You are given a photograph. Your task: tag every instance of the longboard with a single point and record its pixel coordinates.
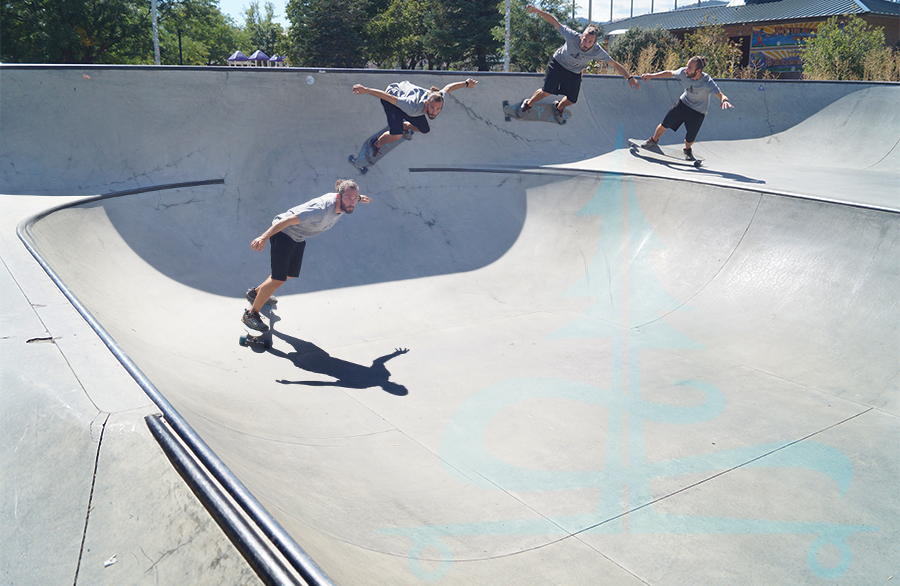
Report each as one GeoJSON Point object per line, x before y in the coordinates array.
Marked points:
{"type": "Point", "coordinates": [541, 112]}
{"type": "Point", "coordinates": [667, 152]}
{"type": "Point", "coordinates": [366, 159]}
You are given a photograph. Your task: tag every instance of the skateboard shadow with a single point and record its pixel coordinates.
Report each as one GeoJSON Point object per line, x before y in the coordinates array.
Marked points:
{"type": "Point", "coordinates": [311, 358]}
{"type": "Point", "coordinates": [702, 170]}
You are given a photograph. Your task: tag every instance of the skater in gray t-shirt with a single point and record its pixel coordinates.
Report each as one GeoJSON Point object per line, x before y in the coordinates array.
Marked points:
{"type": "Point", "coordinates": [564, 70]}
{"type": "Point", "coordinates": [690, 109]}
{"type": "Point", "coordinates": [408, 107]}
{"type": "Point", "coordinates": [288, 234]}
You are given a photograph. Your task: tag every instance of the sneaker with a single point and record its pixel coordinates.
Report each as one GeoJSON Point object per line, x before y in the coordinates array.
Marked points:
{"type": "Point", "coordinates": [375, 148]}
{"type": "Point", "coordinates": [650, 144]}
{"type": "Point", "coordinates": [558, 114]}
{"type": "Point", "coordinates": [252, 320]}
{"type": "Point", "coordinates": [689, 155]}
{"type": "Point", "coordinates": [251, 297]}
{"type": "Point", "coordinates": [524, 107]}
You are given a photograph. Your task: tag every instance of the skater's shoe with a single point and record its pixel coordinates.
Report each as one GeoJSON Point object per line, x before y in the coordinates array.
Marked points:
{"type": "Point", "coordinates": [252, 320]}
{"type": "Point", "coordinates": [650, 144]}
{"type": "Point", "coordinates": [251, 297]}
{"type": "Point", "coordinates": [524, 107]}
{"type": "Point", "coordinates": [558, 114]}
{"type": "Point", "coordinates": [375, 148]}
{"type": "Point", "coordinates": [689, 155]}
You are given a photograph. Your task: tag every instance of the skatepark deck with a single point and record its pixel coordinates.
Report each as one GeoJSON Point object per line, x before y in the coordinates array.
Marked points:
{"type": "Point", "coordinates": [617, 371]}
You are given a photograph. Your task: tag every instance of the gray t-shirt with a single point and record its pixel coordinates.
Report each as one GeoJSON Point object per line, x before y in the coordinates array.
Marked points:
{"type": "Point", "coordinates": [410, 98]}
{"type": "Point", "coordinates": [570, 54]}
{"type": "Point", "coordinates": [696, 92]}
{"type": "Point", "coordinates": [316, 216]}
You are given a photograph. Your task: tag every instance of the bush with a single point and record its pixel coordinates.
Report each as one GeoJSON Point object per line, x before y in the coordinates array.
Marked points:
{"type": "Point", "coordinates": [643, 50]}
{"type": "Point", "coordinates": [722, 56]}
{"type": "Point", "coordinates": [840, 48]}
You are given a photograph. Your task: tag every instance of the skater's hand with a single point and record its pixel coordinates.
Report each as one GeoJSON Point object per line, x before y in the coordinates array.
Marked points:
{"type": "Point", "coordinates": [258, 244]}
{"type": "Point", "coordinates": [470, 83]}
{"type": "Point", "coordinates": [726, 103]}
{"type": "Point", "coordinates": [530, 9]}
{"type": "Point", "coordinates": [359, 89]}
{"type": "Point", "coordinates": [364, 199]}
{"type": "Point", "coordinates": [633, 82]}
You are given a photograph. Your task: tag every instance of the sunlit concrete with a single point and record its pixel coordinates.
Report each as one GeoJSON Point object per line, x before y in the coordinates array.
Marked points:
{"type": "Point", "coordinates": [534, 358]}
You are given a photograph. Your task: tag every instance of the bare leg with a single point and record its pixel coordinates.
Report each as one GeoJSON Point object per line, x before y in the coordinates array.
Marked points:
{"type": "Point", "coordinates": [537, 97]}
{"type": "Point", "coordinates": [660, 130]}
{"type": "Point", "coordinates": [563, 104]}
{"type": "Point", "coordinates": [264, 291]}
{"type": "Point", "coordinates": [387, 138]}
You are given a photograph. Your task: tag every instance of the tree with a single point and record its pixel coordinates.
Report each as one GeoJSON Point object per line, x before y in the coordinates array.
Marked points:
{"type": "Point", "coordinates": [644, 49]}
{"type": "Point", "coordinates": [459, 32]}
{"type": "Point", "coordinates": [710, 41]}
{"type": "Point", "coordinates": [208, 37]}
{"type": "Point", "coordinates": [74, 31]}
{"type": "Point", "coordinates": [397, 35]}
{"type": "Point", "coordinates": [839, 49]}
{"type": "Point", "coordinates": [327, 33]}
{"type": "Point", "coordinates": [262, 31]}
{"type": "Point", "coordinates": [532, 41]}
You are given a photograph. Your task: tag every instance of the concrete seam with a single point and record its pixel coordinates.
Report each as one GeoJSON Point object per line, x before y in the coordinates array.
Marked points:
{"type": "Point", "coordinates": [90, 503]}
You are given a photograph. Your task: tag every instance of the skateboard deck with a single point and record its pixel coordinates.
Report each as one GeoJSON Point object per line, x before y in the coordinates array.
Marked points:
{"type": "Point", "coordinates": [366, 159]}
{"type": "Point", "coordinates": [667, 152]}
{"type": "Point", "coordinates": [542, 112]}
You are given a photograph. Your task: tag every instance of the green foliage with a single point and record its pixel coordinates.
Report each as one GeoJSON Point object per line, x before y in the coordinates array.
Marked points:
{"type": "Point", "coordinates": [115, 31]}
{"type": "Point", "coordinates": [644, 49]}
{"type": "Point", "coordinates": [722, 56]}
{"type": "Point", "coordinates": [263, 32]}
{"type": "Point", "coordinates": [327, 33]}
{"type": "Point", "coordinates": [73, 31]}
{"type": "Point", "coordinates": [838, 51]}
{"type": "Point", "coordinates": [397, 35]}
{"type": "Point", "coordinates": [532, 40]}
{"type": "Point", "coordinates": [459, 33]}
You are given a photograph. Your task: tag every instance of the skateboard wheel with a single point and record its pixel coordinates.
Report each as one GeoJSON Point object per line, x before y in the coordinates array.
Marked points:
{"type": "Point", "coordinates": [365, 170]}
{"type": "Point", "coordinates": [634, 150]}
{"type": "Point", "coordinates": [350, 158]}
{"type": "Point", "coordinates": [697, 164]}
{"type": "Point", "coordinates": [243, 340]}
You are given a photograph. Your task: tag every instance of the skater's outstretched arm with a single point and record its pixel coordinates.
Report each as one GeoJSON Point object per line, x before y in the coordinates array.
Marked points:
{"type": "Point", "coordinates": [383, 95]}
{"type": "Point", "coordinates": [531, 9]}
{"type": "Point", "coordinates": [470, 83]}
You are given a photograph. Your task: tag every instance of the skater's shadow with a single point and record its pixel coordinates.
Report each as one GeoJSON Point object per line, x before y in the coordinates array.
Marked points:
{"type": "Point", "coordinates": [311, 358]}
{"type": "Point", "coordinates": [681, 168]}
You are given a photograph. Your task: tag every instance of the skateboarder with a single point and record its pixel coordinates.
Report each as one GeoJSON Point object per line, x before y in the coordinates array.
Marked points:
{"type": "Point", "coordinates": [564, 70]}
{"type": "Point", "coordinates": [409, 106]}
{"type": "Point", "coordinates": [690, 109]}
{"type": "Point", "coordinates": [289, 232]}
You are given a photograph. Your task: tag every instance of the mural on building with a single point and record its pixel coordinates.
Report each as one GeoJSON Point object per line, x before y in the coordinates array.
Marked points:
{"type": "Point", "coordinates": [777, 48]}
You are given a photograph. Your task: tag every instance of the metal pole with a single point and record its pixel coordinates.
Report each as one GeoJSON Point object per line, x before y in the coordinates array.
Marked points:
{"type": "Point", "coordinates": [181, 58]}
{"type": "Point", "coordinates": [155, 33]}
{"type": "Point", "coordinates": [590, 6]}
{"type": "Point", "coordinates": [506, 46]}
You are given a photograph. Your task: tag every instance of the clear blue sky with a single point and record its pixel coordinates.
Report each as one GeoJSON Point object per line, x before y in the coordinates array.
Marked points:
{"type": "Point", "coordinates": [599, 8]}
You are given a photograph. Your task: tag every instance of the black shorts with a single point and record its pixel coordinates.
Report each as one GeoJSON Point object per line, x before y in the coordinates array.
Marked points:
{"type": "Point", "coordinates": [684, 114]}
{"type": "Point", "coordinates": [287, 256]}
{"type": "Point", "coordinates": [561, 81]}
{"type": "Point", "coordinates": [396, 116]}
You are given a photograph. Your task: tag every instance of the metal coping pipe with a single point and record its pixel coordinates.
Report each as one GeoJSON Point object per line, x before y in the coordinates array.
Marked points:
{"type": "Point", "coordinates": [268, 566]}
{"type": "Point", "coordinates": [296, 556]}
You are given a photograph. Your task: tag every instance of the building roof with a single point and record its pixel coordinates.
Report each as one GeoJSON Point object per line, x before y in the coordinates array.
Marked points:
{"type": "Point", "coordinates": [739, 13]}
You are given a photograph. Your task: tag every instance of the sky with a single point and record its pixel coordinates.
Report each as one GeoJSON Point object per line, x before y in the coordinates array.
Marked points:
{"type": "Point", "coordinates": [599, 8]}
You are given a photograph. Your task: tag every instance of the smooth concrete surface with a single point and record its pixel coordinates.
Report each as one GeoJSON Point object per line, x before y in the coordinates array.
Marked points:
{"type": "Point", "coordinates": [534, 358]}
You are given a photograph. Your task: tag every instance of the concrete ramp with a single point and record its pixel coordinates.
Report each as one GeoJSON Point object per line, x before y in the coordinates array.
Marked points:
{"type": "Point", "coordinates": [534, 358]}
